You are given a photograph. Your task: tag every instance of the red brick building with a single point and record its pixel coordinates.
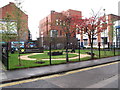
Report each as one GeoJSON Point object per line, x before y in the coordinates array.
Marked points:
{"type": "Point", "coordinates": [111, 19]}
{"type": "Point", "coordinates": [50, 25]}
{"type": "Point", "coordinates": [106, 37]}
{"type": "Point", "coordinates": [9, 9]}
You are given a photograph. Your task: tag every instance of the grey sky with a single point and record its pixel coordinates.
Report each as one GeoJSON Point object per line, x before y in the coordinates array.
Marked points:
{"type": "Point", "coordinates": [38, 9]}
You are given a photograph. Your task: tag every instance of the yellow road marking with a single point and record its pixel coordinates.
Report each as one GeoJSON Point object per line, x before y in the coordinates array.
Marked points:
{"type": "Point", "coordinates": [55, 75]}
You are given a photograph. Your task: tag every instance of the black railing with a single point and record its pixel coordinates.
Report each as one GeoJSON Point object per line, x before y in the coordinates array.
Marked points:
{"type": "Point", "coordinates": [5, 55]}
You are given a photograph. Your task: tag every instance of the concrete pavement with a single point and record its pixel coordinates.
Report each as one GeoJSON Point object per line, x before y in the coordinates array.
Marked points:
{"type": "Point", "coordinates": [102, 76]}
{"type": "Point", "coordinates": [21, 74]}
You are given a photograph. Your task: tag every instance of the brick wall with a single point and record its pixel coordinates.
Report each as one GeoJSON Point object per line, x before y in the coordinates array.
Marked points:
{"type": "Point", "coordinates": [11, 9]}
{"type": "Point", "coordinates": [52, 19]}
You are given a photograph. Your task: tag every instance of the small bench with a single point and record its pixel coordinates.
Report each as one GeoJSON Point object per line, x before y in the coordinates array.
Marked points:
{"type": "Point", "coordinates": [106, 49]}
{"type": "Point", "coordinates": [72, 51]}
{"type": "Point", "coordinates": [89, 53]}
{"type": "Point", "coordinates": [55, 53]}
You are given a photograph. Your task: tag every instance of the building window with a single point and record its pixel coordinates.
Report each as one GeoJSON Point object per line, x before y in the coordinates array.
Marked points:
{"type": "Point", "coordinates": [57, 22]}
{"type": "Point", "coordinates": [85, 42]}
{"type": "Point", "coordinates": [94, 41]}
{"type": "Point", "coordinates": [60, 32]}
{"type": "Point", "coordinates": [104, 40]}
{"type": "Point", "coordinates": [118, 33]}
{"type": "Point", "coordinates": [53, 33]}
{"type": "Point", "coordinates": [60, 22]}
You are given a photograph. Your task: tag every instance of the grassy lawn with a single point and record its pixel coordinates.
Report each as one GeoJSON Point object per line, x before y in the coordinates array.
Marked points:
{"type": "Point", "coordinates": [102, 53]}
{"type": "Point", "coordinates": [46, 56]}
{"type": "Point", "coordinates": [14, 64]}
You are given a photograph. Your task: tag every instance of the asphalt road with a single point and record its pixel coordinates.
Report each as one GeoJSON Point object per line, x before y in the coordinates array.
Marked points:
{"type": "Point", "coordinates": [103, 76]}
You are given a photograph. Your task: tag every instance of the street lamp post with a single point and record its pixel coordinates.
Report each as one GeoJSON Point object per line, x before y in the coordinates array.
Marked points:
{"type": "Point", "coordinates": [67, 37]}
{"type": "Point", "coordinates": [42, 39]}
{"type": "Point", "coordinates": [50, 48]}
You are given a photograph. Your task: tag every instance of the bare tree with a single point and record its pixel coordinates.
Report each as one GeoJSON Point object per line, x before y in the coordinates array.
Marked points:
{"type": "Point", "coordinates": [8, 27]}
{"type": "Point", "coordinates": [20, 21]}
{"type": "Point", "coordinates": [92, 27]}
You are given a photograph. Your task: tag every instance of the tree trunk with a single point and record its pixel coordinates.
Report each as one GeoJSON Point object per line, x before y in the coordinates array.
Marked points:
{"type": "Point", "coordinates": [92, 56]}
{"type": "Point", "coordinates": [19, 61]}
{"type": "Point", "coordinates": [91, 44]}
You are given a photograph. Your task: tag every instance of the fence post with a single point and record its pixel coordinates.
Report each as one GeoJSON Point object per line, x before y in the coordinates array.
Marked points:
{"type": "Point", "coordinates": [7, 56]}
{"type": "Point", "coordinates": [108, 45]}
{"type": "Point", "coordinates": [67, 59]}
{"type": "Point", "coordinates": [114, 48]}
{"type": "Point", "coordinates": [50, 53]}
{"type": "Point", "coordinates": [99, 48]}
{"type": "Point", "coordinates": [79, 50]}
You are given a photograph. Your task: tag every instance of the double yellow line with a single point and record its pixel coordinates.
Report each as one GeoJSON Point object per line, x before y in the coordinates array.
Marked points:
{"type": "Point", "coordinates": [55, 75]}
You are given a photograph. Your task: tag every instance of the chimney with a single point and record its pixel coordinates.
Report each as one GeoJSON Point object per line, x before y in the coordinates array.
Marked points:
{"type": "Point", "coordinates": [52, 11]}
{"type": "Point", "coordinates": [11, 3]}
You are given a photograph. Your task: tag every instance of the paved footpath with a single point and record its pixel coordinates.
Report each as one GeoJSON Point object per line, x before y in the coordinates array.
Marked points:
{"type": "Point", "coordinates": [25, 57]}
{"type": "Point", "coordinates": [21, 74]}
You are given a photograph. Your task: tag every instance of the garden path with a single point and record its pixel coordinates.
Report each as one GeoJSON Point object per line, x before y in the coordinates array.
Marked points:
{"type": "Point", "coordinates": [81, 56]}
{"type": "Point", "coordinates": [25, 57]}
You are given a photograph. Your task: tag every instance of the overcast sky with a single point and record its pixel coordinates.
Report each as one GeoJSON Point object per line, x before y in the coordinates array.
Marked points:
{"type": "Point", "coordinates": [38, 9]}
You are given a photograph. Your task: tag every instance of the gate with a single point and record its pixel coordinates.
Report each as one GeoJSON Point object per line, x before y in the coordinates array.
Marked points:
{"type": "Point", "coordinates": [5, 54]}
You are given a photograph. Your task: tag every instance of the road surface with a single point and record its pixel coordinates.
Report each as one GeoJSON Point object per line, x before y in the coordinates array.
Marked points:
{"type": "Point", "coordinates": [102, 76]}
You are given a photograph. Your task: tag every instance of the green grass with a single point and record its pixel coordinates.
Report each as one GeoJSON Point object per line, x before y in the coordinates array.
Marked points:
{"type": "Point", "coordinates": [102, 53]}
{"type": "Point", "coordinates": [46, 56]}
{"type": "Point", "coordinates": [14, 62]}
